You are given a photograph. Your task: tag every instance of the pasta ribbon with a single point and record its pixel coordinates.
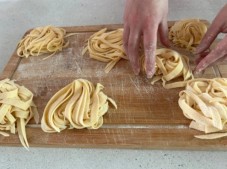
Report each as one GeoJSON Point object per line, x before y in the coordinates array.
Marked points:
{"type": "Point", "coordinates": [41, 40]}
{"type": "Point", "coordinates": [204, 101]}
{"type": "Point", "coordinates": [78, 105]}
{"type": "Point", "coordinates": [106, 47]}
{"type": "Point", "coordinates": [170, 65]}
{"type": "Point", "coordinates": [187, 33]}
{"type": "Point", "coordinates": [16, 110]}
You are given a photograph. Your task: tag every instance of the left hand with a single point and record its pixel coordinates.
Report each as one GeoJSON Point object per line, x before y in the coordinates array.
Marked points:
{"type": "Point", "coordinates": [219, 25]}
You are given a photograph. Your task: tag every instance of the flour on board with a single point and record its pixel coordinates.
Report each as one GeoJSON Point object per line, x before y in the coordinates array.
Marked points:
{"type": "Point", "coordinates": [46, 68]}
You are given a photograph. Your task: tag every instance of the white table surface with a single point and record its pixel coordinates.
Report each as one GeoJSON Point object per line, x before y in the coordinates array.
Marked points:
{"type": "Point", "coordinates": [17, 16]}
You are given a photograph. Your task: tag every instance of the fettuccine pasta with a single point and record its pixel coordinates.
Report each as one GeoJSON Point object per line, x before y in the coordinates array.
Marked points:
{"type": "Point", "coordinates": [187, 33]}
{"type": "Point", "coordinates": [16, 109]}
{"type": "Point", "coordinates": [48, 39]}
{"type": "Point", "coordinates": [169, 66]}
{"type": "Point", "coordinates": [204, 101]}
{"type": "Point", "coordinates": [78, 105]}
{"type": "Point", "coordinates": [106, 47]}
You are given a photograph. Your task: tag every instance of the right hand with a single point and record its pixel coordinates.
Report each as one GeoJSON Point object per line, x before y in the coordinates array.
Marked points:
{"type": "Point", "coordinates": [219, 25]}
{"type": "Point", "coordinates": [147, 18]}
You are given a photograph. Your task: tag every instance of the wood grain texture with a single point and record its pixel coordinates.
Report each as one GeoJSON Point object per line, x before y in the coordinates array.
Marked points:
{"type": "Point", "coordinates": [147, 116]}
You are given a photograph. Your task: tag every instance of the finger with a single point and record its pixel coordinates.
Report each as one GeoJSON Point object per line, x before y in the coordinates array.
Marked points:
{"type": "Point", "coordinates": [209, 37]}
{"type": "Point", "coordinates": [219, 52]}
{"type": "Point", "coordinates": [133, 50]}
{"type": "Point", "coordinates": [199, 57]}
{"type": "Point", "coordinates": [126, 33]}
{"type": "Point", "coordinates": [150, 42]}
{"type": "Point", "coordinates": [163, 33]}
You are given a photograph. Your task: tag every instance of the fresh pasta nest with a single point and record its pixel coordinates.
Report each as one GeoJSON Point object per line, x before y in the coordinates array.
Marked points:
{"type": "Point", "coordinates": [169, 66]}
{"type": "Point", "coordinates": [41, 40]}
{"type": "Point", "coordinates": [16, 109]}
{"type": "Point", "coordinates": [78, 105]}
{"type": "Point", "coordinates": [106, 47]}
{"type": "Point", "coordinates": [204, 101]}
{"type": "Point", "coordinates": [187, 33]}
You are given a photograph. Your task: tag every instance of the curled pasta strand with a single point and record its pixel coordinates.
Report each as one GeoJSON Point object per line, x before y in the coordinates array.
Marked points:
{"type": "Point", "coordinates": [169, 66]}
{"type": "Point", "coordinates": [106, 47]}
{"type": "Point", "coordinates": [187, 33]}
{"type": "Point", "coordinates": [41, 40]}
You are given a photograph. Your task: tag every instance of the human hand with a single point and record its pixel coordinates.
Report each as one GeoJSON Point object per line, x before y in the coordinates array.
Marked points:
{"type": "Point", "coordinates": [147, 18]}
{"type": "Point", "coordinates": [219, 25]}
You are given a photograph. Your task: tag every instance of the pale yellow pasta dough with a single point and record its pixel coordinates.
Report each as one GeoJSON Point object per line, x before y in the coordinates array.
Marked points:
{"type": "Point", "coordinates": [187, 33]}
{"type": "Point", "coordinates": [204, 101]}
{"type": "Point", "coordinates": [16, 109]}
{"type": "Point", "coordinates": [48, 39]}
{"type": "Point", "coordinates": [171, 65]}
{"type": "Point", "coordinates": [106, 47]}
{"type": "Point", "coordinates": [78, 105]}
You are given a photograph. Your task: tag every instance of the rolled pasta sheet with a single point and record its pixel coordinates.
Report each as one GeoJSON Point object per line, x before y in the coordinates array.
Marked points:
{"type": "Point", "coordinates": [16, 110]}
{"type": "Point", "coordinates": [106, 47]}
{"type": "Point", "coordinates": [187, 33]}
{"type": "Point", "coordinates": [41, 40]}
{"type": "Point", "coordinates": [169, 66]}
{"type": "Point", "coordinates": [204, 101]}
{"type": "Point", "coordinates": [77, 105]}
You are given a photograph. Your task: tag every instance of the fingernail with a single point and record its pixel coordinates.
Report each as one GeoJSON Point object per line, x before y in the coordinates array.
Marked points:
{"type": "Point", "coordinates": [150, 74]}
{"type": "Point", "coordinates": [196, 72]}
{"type": "Point", "coordinates": [199, 72]}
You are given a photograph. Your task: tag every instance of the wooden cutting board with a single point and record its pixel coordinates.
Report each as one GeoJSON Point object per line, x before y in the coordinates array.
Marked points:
{"type": "Point", "coordinates": [147, 116]}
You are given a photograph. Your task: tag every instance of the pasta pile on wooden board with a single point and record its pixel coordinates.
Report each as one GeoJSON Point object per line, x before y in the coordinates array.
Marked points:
{"type": "Point", "coordinates": [78, 105]}
{"type": "Point", "coordinates": [16, 109]}
{"type": "Point", "coordinates": [169, 66]}
{"type": "Point", "coordinates": [48, 39]}
{"type": "Point", "coordinates": [204, 101]}
{"type": "Point", "coordinates": [106, 47]}
{"type": "Point", "coordinates": [187, 33]}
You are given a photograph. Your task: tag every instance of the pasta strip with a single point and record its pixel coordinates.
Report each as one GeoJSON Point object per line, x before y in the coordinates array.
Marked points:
{"type": "Point", "coordinates": [16, 109]}
{"type": "Point", "coordinates": [204, 102]}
